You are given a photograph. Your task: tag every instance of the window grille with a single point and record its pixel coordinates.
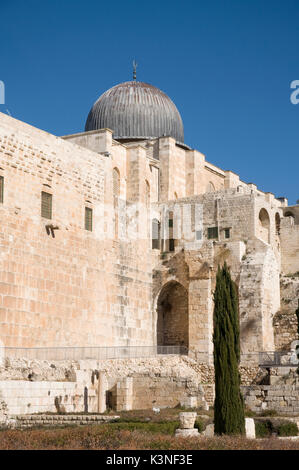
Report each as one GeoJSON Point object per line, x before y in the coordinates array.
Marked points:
{"type": "Point", "coordinates": [1, 188]}
{"type": "Point", "coordinates": [46, 205]}
{"type": "Point", "coordinates": [212, 232]}
{"type": "Point", "coordinates": [88, 219]}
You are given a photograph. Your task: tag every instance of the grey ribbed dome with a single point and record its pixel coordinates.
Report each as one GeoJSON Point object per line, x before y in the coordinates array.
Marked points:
{"type": "Point", "coordinates": [136, 110]}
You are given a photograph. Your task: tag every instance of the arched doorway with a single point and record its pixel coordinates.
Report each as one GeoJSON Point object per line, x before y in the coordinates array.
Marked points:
{"type": "Point", "coordinates": [173, 319]}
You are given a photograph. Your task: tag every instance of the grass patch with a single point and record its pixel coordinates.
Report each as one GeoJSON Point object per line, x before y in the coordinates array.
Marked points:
{"type": "Point", "coordinates": [162, 427]}
{"type": "Point", "coordinates": [287, 428]}
{"type": "Point", "coordinates": [263, 428]}
{"type": "Point", "coordinates": [112, 437]}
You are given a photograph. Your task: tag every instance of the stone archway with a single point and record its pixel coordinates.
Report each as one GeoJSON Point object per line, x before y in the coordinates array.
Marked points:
{"type": "Point", "coordinates": [173, 318]}
{"type": "Point", "coordinates": [264, 226]}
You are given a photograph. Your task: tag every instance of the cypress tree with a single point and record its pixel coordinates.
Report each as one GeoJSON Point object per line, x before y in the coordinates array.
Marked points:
{"type": "Point", "coordinates": [229, 406]}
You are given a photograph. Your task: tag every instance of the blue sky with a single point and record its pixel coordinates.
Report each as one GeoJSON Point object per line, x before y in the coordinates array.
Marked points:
{"type": "Point", "coordinates": [227, 65]}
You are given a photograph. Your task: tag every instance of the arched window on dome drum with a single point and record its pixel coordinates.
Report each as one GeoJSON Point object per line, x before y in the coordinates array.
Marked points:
{"type": "Point", "coordinates": [116, 192]}
{"type": "Point", "coordinates": [155, 234]}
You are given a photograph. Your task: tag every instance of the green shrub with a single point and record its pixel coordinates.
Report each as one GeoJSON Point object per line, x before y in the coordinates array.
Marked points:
{"type": "Point", "coordinates": [263, 428]}
{"type": "Point", "coordinates": [199, 424]}
{"type": "Point", "coordinates": [287, 428]}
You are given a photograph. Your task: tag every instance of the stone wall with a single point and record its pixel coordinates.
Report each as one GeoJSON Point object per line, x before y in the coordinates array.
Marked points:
{"type": "Point", "coordinates": [149, 392]}
{"type": "Point", "coordinates": [122, 384]}
{"type": "Point", "coordinates": [67, 286]}
{"type": "Point", "coordinates": [285, 320]}
{"type": "Point", "coordinates": [289, 236]}
{"type": "Point", "coordinates": [29, 421]}
{"type": "Point", "coordinates": [282, 398]}
{"type": "Point", "coordinates": [75, 386]}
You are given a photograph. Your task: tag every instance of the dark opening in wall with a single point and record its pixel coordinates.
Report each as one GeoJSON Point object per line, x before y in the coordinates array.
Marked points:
{"type": "Point", "coordinates": [88, 219]}
{"type": "Point", "coordinates": [1, 189]}
{"type": "Point", "coordinates": [212, 232]}
{"type": "Point", "coordinates": [227, 233]}
{"type": "Point", "coordinates": [155, 234]}
{"type": "Point", "coordinates": [173, 319]}
{"type": "Point", "coordinates": [46, 205]}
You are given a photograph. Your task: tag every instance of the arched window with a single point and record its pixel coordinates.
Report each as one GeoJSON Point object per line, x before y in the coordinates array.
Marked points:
{"type": "Point", "coordinates": [155, 234]}
{"type": "Point", "coordinates": [264, 226]}
{"type": "Point", "coordinates": [210, 187]}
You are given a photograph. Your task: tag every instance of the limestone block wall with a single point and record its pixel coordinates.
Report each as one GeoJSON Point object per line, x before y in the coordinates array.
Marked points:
{"type": "Point", "coordinates": [41, 386]}
{"type": "Point", "coordinates": [228, 209]}
{"type": "Point", "coordinates": [254, 264]}
{"type": "Point", "coordinates": [285, 320]}
{"type": "Point", "coordinates": [259, 297]}
{"type": "Point", "coordinates": [28, 387]}
{"type": "Point", "coordinates": [69, 286]}
{"type": "Point", "coordinates": [283, 398]}
{"type": "Point", "coordinates": [25, 397]}
{"type": "Point", "coordinates": [99, 141]}
{"type": "Point", "coordinates": [289, 237]}
{"type": "Point", "coordinates": [161, 392]}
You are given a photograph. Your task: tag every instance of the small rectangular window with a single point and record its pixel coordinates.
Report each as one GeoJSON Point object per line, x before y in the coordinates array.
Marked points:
{"type": "Point", "coordinates": [170, 223]}
{"type": "Point", "coordinates": [46, 205]}
{"type": "Point", "coordinates": [227, 233]}
{"type": "Point", "coordinates": [1, 188]}
{"type": "Point", "coordinates": [212, 232]}
{"type": "Point", "coordinates": [171, 244]}
{"type": "Point", "coordinates": [88, 219]}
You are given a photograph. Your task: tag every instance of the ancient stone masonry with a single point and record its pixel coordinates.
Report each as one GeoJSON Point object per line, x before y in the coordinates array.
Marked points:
{"type": "Point", "coordinates": [281, 395]}
{"type": "Point", "coordinates": [71, 287]}
{"type": "Point", "coordinates": [285, 320]}
{"type": "Point", "coordinates": [28, 421]}
{"type": "Point", "coordinates": [32, 386]}
{"type": "Point", "coordinates": [115, 243]}
{"type": "Point", "coordinates": [63, 285]}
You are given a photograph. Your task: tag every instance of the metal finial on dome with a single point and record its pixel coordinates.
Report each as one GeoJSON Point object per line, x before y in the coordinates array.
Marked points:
{"type": "Point", "coordinates": [134, 69]}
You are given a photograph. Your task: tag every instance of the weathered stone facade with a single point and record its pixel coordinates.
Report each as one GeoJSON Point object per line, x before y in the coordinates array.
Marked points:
{"type": "Point", "coordinates": [63, 285]}
{"type": "Point", "coordinates": [32, 386]}
{"type": "Point", "coordinates": [285, 320]}
{"type": "Point", "coordinates": [140, 271]}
